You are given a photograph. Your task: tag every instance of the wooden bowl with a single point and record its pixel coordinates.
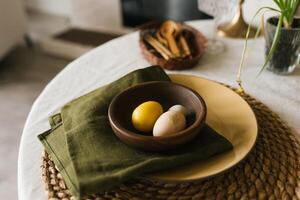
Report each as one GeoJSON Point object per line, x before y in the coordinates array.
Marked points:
{"type": "Point", "coordinates": [167, 94]}
{"type": "Point", "coordinates": [195, 39]}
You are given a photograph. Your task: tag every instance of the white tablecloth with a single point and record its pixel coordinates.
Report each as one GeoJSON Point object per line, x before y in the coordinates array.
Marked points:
{"type": "Point", "coordinates": [122, 55]}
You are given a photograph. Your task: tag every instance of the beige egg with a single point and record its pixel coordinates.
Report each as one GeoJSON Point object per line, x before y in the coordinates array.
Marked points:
{"type": "Point", "coordinates": [169, 123]}
{"type": "Point", "coordinates": [179, 108]}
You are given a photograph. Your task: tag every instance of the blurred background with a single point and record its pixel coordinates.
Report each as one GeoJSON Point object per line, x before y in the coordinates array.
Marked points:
{"type": "Point", "coordinates": [38, 38]}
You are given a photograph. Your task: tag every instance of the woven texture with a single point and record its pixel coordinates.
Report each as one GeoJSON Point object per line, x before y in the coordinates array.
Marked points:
{"type": "Point", "coordinates": [196, 40]}
{"type": "Point", "coordinates": [270, 171]}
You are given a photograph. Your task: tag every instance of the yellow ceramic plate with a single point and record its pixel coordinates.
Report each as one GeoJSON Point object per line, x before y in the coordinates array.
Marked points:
{"type": "Point", "coordinates": [228, 114]}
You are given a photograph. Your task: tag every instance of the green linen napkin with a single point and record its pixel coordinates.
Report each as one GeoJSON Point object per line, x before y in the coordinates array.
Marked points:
{"type": "Point", "coordinates": [91, 158]}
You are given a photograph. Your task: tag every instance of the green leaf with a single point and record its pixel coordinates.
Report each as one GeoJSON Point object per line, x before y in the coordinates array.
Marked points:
{"type": "Point", "coordinates": [278, 3]}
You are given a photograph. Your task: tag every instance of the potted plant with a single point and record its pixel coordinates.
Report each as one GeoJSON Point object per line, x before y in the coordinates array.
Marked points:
{"type": "Point", "coordinates": [282, 36]}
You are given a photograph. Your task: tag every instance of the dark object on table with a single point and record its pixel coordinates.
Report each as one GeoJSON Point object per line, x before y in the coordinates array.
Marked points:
{"type": "Point", "coordinates": [195, 40]}
{"type": "Point", "coordinates": [167, 94]}
{"type": "Point", "coordinates": [138, 12]}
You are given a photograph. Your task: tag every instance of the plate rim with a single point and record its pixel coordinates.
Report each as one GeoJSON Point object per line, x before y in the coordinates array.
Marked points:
{"type": "Point", "coordinates": [155, 178]}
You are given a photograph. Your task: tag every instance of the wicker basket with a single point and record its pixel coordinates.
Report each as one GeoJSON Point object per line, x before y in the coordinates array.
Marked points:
{"type": "Point", "coordinates": [195, 39]}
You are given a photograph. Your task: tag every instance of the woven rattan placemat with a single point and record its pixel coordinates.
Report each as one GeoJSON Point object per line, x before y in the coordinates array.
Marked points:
{"type": "Point", "coordinates": [271, 171]}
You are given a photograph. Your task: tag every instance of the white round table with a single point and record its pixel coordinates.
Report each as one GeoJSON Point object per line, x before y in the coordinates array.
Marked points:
{"type": "Point", "coordinates": [122, 55]}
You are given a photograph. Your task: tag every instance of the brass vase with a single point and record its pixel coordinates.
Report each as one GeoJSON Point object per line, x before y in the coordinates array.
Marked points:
{"type": "Point", "coordinates": [237, 28]}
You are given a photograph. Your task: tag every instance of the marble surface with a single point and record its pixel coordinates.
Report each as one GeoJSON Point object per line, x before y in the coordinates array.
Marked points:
{"type": "Point", "coordinates": [122, 55]}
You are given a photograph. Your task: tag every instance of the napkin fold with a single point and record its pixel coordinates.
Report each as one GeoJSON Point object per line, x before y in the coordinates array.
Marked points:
{"type": "Point", "coordinates": [91, 158]}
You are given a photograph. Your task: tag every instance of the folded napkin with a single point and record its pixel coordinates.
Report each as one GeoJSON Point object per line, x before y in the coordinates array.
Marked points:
{"type": "Point", "coordinates": [91, 158]}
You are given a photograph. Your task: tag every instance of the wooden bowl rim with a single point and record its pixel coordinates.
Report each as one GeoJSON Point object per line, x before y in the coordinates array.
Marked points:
{"type": "Point", "coordinates": [198, 122]}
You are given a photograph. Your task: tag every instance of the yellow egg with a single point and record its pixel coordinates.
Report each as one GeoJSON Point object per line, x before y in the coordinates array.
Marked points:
{"type": "Point", "coordinates": [145, 115]}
